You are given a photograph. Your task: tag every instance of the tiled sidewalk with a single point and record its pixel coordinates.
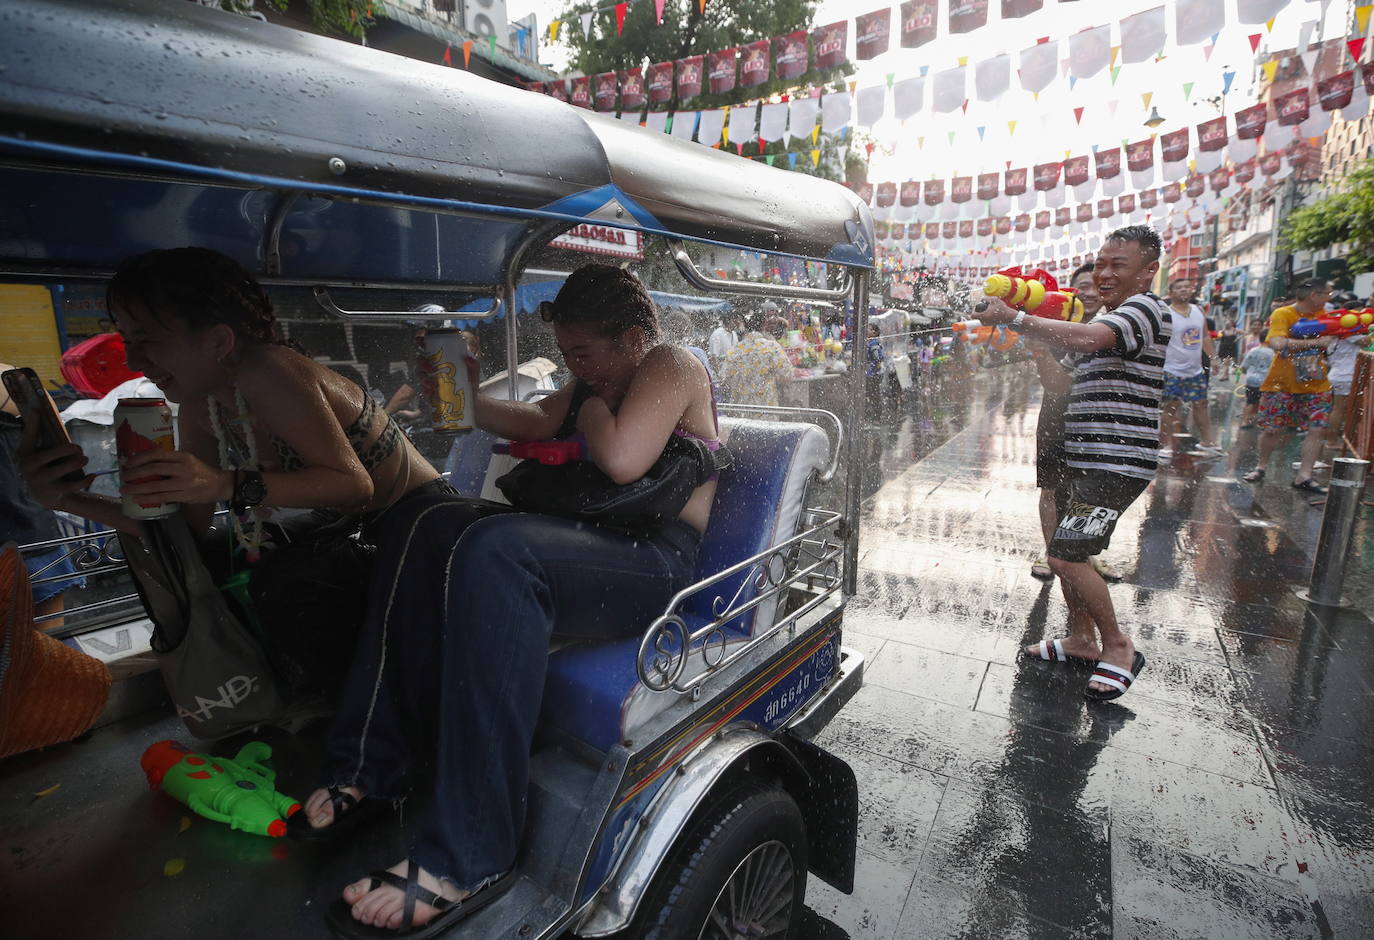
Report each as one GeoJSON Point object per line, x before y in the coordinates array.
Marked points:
{"type": "Point", "coordinates": [1230, 794]}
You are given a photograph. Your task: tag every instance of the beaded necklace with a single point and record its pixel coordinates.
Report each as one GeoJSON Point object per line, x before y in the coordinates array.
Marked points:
{"type": "Point", "coordinates": [248, 528]}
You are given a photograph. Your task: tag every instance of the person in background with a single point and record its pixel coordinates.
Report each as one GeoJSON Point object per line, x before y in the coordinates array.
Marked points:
{"type": "Point", "coordinates": [1340, 365]}
{"type": "Point", "coordinates": [875, 361]}
{"type": "Point", "coordinates": [24, 521]}
{"type": "Point", "coordinates": [1296, 392]}
{"type": "Point", "coordinates": [1051, 472]}
{"type": "Point", "coordinates": [1185, 373]}
{"type": "Point", "coordinates": [756, 368]}
{"type": "Point", "coordinates": [724, 337]}
{"type": "Point", "coordinates": [1228, 351]}
{"type": "Point", "coordinates": [1255, 365]}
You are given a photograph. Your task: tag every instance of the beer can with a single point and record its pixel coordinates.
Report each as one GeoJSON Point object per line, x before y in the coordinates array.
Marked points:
{"type": "Point", "coordinates": [143, 424]}
{"type": "Point", "coordinates": [442, 360]}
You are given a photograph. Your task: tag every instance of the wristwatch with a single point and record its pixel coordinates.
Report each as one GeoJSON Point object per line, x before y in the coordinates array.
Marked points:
{"type": "Point", "coordinates": [249, 491]}
{"type": "Point", "coordinates": [1017, 320]}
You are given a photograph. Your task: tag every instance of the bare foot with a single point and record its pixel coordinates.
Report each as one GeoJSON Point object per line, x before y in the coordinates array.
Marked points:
{"type": "Point", "coordinates": [1072, 646]}
{"type": "Point", "coordinates": [1120, 654]}
{"type": "Point", "coordinates": [319, 809]}
{"type": "Point", "coordinates": [384, 906]}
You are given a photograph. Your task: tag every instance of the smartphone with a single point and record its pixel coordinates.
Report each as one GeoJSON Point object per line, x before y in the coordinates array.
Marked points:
{"type": "Point", "coordinates": [35, 405]}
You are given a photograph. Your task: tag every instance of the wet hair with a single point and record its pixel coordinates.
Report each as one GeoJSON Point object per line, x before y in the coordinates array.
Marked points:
{"type": "Point", "coordinates": [1084, 268]}
{"type": "Point", "coordinates": [199, 286]}
{"type": "Point", "coordinates": [1308, 288]}
{"type": "Point", "coordinates": [607, 298]}
{"type": "Point", "coordinates": [1142, 235]}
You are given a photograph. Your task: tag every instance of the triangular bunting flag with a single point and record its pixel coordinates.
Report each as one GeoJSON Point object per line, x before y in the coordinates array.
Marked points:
{"type": "Point", "coordinates": [792, 160]}
{"type": "Point", "coordinates": [553, 30]}
{"type": "Point", "coordinates": [1111, 107]}
{"type": "Point", "coordinates": [1011, 128]}
{"type": "Point", "coordinates": [981, 131]}
{"type": "Point", "coordinates": [815, 132]}
{"type": "Point", "coordinates": [1270, 68]}
{"type": "Point", "coordinates": [1073, 80]}
{"type": "Point", "coordinates": [1362, 18]}
{"type": "Point", "coordinates": [1269, 24]}
{"type": "Point", "coordinates": [1228, 78]}
{"type": "Point", "coordinates": [951, 137]}
{"type": "Point", "coordinates": [1077, 118]}
{"type": "Point", "coordinates": [467, 52]}
{"type": "Point", "coordinates": [1255, 41]}
{"type": "Point", "coordinates": [966, 101]}
{"type": "Point", "coordinates": [963, 61]}
{"type": "Point", "coordinates": [920, 143]}
{"type": "Point", "coordinates": [1187, 90]}
{"type": "Point", "coordinates": [1116, 70]}
{"type": "Point", "coordinates": [620, 9]}
{"type": "Point", "coordinates": [658, 12]}
{"type": "Point", "coordinates": [491, 47]}
{"type": "Point", "coordinates": [769, 158]}
{"type": "Point", "coordinates": [701, 7]}
{"type": "Point", "coordinates": [890, 77]}
{"type": "Point", "coordinates": [587, 24]}
{"type": "Point", "coordinates": [1356, 47]}
{"type": "Point", "coordinates": [1207, 51]}
{"type": "Point", "coordinates": [1116, 51]}
{"type": "Point", "coordinates": [1145, 100]}
{"type": "Point", "coordinates": [448, 55]}
{"type": "Point", "coordinates": [815, 154]}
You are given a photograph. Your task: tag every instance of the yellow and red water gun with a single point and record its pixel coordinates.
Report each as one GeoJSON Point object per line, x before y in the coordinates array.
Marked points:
{"type": "Point", "coordinates": [1035, 291]}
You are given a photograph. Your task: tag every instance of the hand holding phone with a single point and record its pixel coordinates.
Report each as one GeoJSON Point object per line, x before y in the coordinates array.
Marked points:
{"type": "Point", "coordinates": [43, 428]}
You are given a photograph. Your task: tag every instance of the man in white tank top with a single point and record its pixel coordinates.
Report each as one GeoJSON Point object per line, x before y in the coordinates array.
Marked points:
{"type": "Point", "coordinates": [1185, 380]}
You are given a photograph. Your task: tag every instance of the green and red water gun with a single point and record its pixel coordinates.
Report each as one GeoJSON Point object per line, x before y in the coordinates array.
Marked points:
{"type": "Point", "coordinates": [240, 793]}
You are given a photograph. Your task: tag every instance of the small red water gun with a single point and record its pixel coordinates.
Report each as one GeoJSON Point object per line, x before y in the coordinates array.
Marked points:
{"type": "Point", "coordinates": [1035, 291]}
{"type": "Point", "coordinates": [550, 453]}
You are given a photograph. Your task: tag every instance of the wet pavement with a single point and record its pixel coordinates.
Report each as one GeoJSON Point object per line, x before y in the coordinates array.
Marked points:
{"type": "Point", "coordinates": [1229, 794]}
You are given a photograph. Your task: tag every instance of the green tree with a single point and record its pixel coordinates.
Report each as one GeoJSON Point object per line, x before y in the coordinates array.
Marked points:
{"type": "Point", "coordinates": [686, 31]}
{"type": "Point", "coordinates": [327, 17]}
{"type": "Point", "coordinates": [1345, 217]}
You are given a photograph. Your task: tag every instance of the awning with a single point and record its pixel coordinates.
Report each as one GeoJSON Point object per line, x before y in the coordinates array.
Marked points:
{"type": "Point", "coordinates": [528, 297]}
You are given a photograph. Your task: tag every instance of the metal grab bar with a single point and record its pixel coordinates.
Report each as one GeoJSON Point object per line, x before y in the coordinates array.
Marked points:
{"type": "Point", "coordinates": [785, 411]}
{"type": "Point", "coordinates": [324, 300]}
{"type": "Point", "coordinates": [705, 282]}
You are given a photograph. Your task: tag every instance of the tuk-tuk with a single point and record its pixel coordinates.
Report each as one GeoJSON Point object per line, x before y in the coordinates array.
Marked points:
{"type": "Point", "coordinates": [359, 186]}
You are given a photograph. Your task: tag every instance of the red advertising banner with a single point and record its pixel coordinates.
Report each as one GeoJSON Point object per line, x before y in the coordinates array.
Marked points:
{"type": "Point", "coordinates": [1211, 135]}
{"type": "Point", "coordinates": [1140, 155]}
{"type": "Point", "coordinates": [606, 90]}
{"type": "Point", "coordinates": [910, 194]}
{"type": "Point", "coordinates": [1194, 186]}
{"type": "Point", "coordinates": [1064, 215]}
{"type": "Point", "coordinates": [689, 77]}
{"type": "Point", "coordinates": [1046, 175]}
{"type": "Point", "coordinates": [918, 22]}
{"type": "Point", "coordinates": [1023, 222]}
{"type": "Point", "coordinates": [558, 89]}
{"type": "Point", "coordinates": [961, 189]}
{"type": "Point", "coordinates": [1367, 76]}
{"type": "Point", "coordinates": [1291, 108]}
{"type": "Point", "coordinates": [1336, 91]}
{"type": "Point", "coordinates": [873, 33]}
{"type": "Point", "coordinates": [790, 54]}
{"type": "Point", "coordinates": [864, 192]}
{"type": "Point", "coordinates": [1126, 203]}
{"type": "Point", "coordinates": [720, 71]}
{"type": "Point", "coordinates": [1170, 193]}
{"type": "Point", "coordinates": [1075, 171]}
{"type": "Point", "coordinates": [965, 228]}
{"type": "Point", "coordinates": [830, 42]}
{"type": "Point", "coordinates": [537, 87]}
{"type": "Point", "coordinates": [1015, 9]}
{"type": "Point", "coordinates": [632, 89]}
{"type": "Point", "coordinates": [753, 64]}
{"type": "Point", "coordinates": [1149, 198]}
{"type": "Point", "coordinates": [582, 92]}
{"type": "Point", "coordinates": [886, 195]}
{"type": "Point", "coordinates": [948, 229]}
{"type": "Point", "coordinates": [1042, 219]}
{"type": "Point", "coordinates": [1245, 172]}
{"type": "Point", "coordinates": [898, 231]}
{"type": "Point", "coordinates": [1004, 225]}
{"type": "Point", "coordinates": [881, 230]}
{"type": "Point", "coordinates": [984, 227]}
{"type": "Point", "coordinates": [932, 230]}
{"type": "Point", "coordinates": [934, 192]}
{"type": "Point", "coordinates": [1016, 182]}
{"type": "Point", "coordinates": [1108, 163]}
{"type": "Point", "coordinates": [1174, 146]}
{"type": "Point", "coordinates": [967, 15]}
{"type": "Point", "coordinates": [1269, 163]}
{"type": "Point", "coordinates": [987, 185]}
{"type": "Point", "coordinates": [1250, 121]}
{"type": "Point", "coordinates": [660, 82]}
{"type": "Point", "coordinates": [1084, 210]}
{"type": "Point", "coordinates": [1218, 179]}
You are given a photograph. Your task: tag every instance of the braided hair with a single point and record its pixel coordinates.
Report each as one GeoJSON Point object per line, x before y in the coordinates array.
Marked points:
{"type": "Point", "coordinates": [605, 298]}
{"type": "Point", "coordinates": [197, 285]}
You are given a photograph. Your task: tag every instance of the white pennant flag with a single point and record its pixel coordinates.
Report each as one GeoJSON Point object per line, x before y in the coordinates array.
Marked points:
{"type": "Point", "coordinates": [1305, 34]}
{"type": "Point", "coordinates": [1142, 35]}
{"type": "Point", "coordinates": [1039, 65]}
{"type": "Point", "coordinates": [803, 117]}
{"type": "Point", "coordinates": [656, 120]}
{"type": "Point", "coordinates": [1197, 20]}
{"type": "Point", "coordinates": [1089, 51]}
{"type": "Point", "coordinates": [871, 103]}
{"type": "Point", "coordinates": [835, 112]}
{"type": "Point", "coordinates": [742, 123]}
{"type": "Point", "coordinates": [949, 90]}
{"type": "Point", "coordinates": [1258, 11]}
{"type": "Point", "coordinates": [992, 77]}
{"type": "Point", "coordinates": [907, 97]}
{"type": "Point", "coordinates": [772, 121]}
{"type": "Point", "coordinates": [684, 124]}
{"type": "Point", "coordinates": [587, 24]}
{"type": "Point", "coordinates": [710, 126]}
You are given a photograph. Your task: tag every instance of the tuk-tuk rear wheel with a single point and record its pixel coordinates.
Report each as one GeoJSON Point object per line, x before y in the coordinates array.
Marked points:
{"type": "Point", "coordinates": [739, 872]}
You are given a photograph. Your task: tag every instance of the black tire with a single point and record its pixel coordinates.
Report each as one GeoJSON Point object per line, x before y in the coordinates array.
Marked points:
{"type": "Point", "coordinates": [751, 839]}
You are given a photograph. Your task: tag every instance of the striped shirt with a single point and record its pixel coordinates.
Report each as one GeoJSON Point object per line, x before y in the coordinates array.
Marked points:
{"type": "Point", "coordinates": [1112, 420]}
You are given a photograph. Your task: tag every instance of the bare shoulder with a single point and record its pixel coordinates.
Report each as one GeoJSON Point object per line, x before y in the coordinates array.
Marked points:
{"type": "Point", "coordinates": [676, 363]}
{"type": "Point", "coordinates": [269, 364]}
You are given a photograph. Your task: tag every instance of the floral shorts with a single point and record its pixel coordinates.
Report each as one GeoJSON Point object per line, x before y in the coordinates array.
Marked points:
{"type": "Point", "coordinates": [1279, 410]}
{"type": "Point", "coordinates": [1193, 388]}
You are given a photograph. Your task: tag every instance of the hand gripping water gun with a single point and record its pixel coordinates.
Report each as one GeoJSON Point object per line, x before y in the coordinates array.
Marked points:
{"type": "Point", "coordinates": [999, 338]}
{"type": "Point", "coordinates": [549, 453]}
{"type": "Point", "coordinates": [1036, 292]}
{"type": "Point", "coordinates": [1339, 323]}
{"type": "Point", "coordinates": [238, 792]}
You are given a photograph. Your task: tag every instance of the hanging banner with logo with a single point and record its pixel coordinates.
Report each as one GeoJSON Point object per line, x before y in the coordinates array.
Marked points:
{"type": "Point", "coordinates": [1269, 163]}
{"type": "Point", "coordinates": [607, 88]}
{"type": "Point", "coordinates": [689, 77]}
{"type": "Point", "coordinates": [1335, 92]}
{"type": "Point", "coordinates": [631, 89]}
{"type": "Point", "coordinates": [790, 54]}
{"type": "Point", "coordinates": [1174, 146]}
{"type": "Point", "coordinates": [1245, 172]}
{"type": "Point", "coordinates": [987, 185]}
{"type": "Point", "coordinates": [1064, 215]}
{"type": "Point", "coordinates": [1291, 108]}
{"type": "Point", "coordinates": [537, 87]}
{"type": "Point", "coordinates": [966, 228]}
{"type": "Point", "coordinates": [1076, 171]}
{"type": "Point", "coordinates": [1023, 222]}
{"type": "Point", "coordinates": [720, 71]}
{"type": "Point", "coordinates": [1211, 135]}
{"type": "Point", "coordinates": [886, 195]}
{"type": "Point", "coordinates": [934, 192]}
{"type": "Point", "coordinates": [558, 90]}
{"type": "Point", "coordinates": [582, 92]}
{"type": "Point", "coordinates": [1140, 155]}
{"type": "Point", "coordinates": [932, 230]}
{"type": "Point", "coordinates": [1126, 203]}
{"type": "Point", "coordinates": [872, 33]}
{"type": "Point", "coordinates": [1015, 9]}
{"type": "Point", "coordinates": [1194, 186]}
{"type": "Point", "coordinates": [984, 227]}
{"type": "Point", "coordinates": [660, 84]}
{"type": "Point", "coordinates": [1016, 182]}
{"type": "Point", "coordinates": [1108, 163]}
{"type": "Point", "coordinates": [881, 231]}
{"type": "Point", "coordinates": [1367, 76]}
{"type": "Point", "coordinates": [864, 191]}
{"type": "Point", "coordinates": [1106, 208]}
{"type": "Point", "coordinates": [1250, 121]}
{"type": "Point", "coordinates": [1170, 193]}
{"type": "Point", "coordinates": [961, 189]}
{"type": "Point", "coordinates": [1149, 198]}
{"type": "Point", "coordinates": [830, 42]}
{"type": "Point", "coordinates": [753, 65]}
{"type": "Point", "coordinates": [967, 15]}
{"type": "Point", "coordinates": [910, 194]}
{"type": "Point", "coordinates": [947, 229]}
{"type": "Point", "coordinates": [1218, 179]}
{"type": "Point", "coordinates": [1003, 225]}
{"type": "Point", "coordinates": [1046, 175]}
{"type": "Point", "coordinates": [918, 22]}
{"type": "Point", "coordinates": [1042, 219]}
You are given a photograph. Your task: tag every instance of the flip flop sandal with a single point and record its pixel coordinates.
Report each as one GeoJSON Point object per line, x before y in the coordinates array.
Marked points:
{"type": "Point", "coordinates": [1310, 486]}
{"type": "Point", "coordinates": [339, 915]}
{"type": "Point", "coordinates": [1119, 679]}
{"type": "Point", "coordinates": [349, 813]}
{"type": "Point", "coordinates": [1053, 651]}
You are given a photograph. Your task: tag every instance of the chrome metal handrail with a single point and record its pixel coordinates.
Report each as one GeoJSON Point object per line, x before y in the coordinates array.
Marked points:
{"type": "Point", "coordinates": [667, 644]}
{"type": "Point", "coordinates": [92, 553]}
{"type": "Point", "coordinates": [788, 411]}
{"type": "Point", "coordinates": [694, 276]}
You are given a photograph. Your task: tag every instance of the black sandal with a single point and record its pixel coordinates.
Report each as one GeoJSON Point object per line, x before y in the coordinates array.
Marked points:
{"type": "Point", "coordinates": [339, 915]}
{"type": "Point", "coordinates": [349, 813]}
{"type": "Point", "coordinates": [1310, 486]}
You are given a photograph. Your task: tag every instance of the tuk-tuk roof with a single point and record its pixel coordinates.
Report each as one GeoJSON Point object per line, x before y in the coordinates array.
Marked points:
{"type": "Point", "coordinates": [170, 87]}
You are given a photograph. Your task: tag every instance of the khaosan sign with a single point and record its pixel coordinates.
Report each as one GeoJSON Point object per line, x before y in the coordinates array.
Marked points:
{"type": "Point", "coordinates": [602, 240]}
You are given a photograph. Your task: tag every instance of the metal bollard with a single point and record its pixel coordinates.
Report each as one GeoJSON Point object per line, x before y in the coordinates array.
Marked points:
{"type": "Point", "coordinates": [1338, 525]}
